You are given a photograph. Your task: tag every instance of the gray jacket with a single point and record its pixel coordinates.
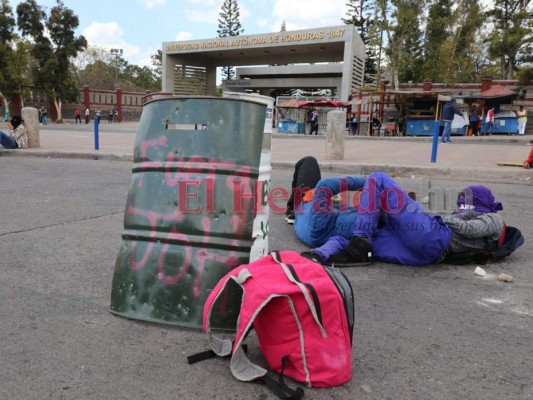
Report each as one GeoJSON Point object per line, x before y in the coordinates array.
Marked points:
{"type": "Point", "coordinates": [473, 230]}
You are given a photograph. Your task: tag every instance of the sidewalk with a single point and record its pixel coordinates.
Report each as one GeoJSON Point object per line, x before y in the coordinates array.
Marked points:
{"type": "Point", "coordinates": [467, 158]}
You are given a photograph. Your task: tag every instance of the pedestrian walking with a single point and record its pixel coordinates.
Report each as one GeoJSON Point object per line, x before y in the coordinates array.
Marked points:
{"type": "Point", "coordinates": [448, 111]}
{"type": "Point", "coordinates": [314, 122]}
{"type": "Point", "coordinates": [489, 122]}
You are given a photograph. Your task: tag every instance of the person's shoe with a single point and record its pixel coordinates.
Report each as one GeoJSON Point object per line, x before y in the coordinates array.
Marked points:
{"type": "Point", "coordinates": [442, 141]}
{"type": "Point", "coordinates": [448, 141]}
{"type": "Point", "coordinates": [311, 255]}
{"type": "Point", "coordinates": [290, 218]}
{"type": "Point", "coordinates": [357, 252]}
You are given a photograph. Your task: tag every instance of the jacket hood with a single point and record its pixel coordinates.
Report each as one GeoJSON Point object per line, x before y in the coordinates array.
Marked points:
{"type": "Point", "coordinates": [477, 198]}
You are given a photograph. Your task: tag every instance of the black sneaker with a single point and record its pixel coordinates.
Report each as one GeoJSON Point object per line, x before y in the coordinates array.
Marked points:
{"type": "Point", "coordinates": [357, 252]}
{"type": "Point", "coordinates": [290, 218]}
{"type": "Point", "coordinates": [311, 255]}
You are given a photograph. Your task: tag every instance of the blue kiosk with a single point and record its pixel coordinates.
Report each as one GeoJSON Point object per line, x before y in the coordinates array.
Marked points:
{"type": "Point", "coordinates": [422, 109]}
{"type": "Point", "coordinates": [505, 120]}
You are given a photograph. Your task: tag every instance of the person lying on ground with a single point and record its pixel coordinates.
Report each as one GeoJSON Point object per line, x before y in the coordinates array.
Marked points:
{"type": "Point", "coordinates": [18, 135]}
{"type": "Point", "coordinates": [323, 208]}
{"type": "Point", "coordinates": [411, 236]}
{"type": "Point", "coordinates": [311, 208]}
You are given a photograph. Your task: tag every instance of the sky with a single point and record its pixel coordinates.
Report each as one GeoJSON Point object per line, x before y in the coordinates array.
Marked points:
{"type": "Point", "coordinates": [139, 27]}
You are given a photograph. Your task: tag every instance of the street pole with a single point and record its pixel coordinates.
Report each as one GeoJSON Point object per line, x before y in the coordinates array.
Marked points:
{"type": "Point", "coordinates": [117, 53]}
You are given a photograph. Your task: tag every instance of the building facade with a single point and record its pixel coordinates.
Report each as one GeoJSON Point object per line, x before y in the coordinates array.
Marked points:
{"type": "Point", "coordinates": [330, 57]}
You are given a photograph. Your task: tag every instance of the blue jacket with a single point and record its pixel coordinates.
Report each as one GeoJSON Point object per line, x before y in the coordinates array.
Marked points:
{"type": "Point", "coordinates": [317, 221]}
{"type": "Point", "coordinates": [449, 110]}
{"type": "Point", "coordinates": [410, 236]}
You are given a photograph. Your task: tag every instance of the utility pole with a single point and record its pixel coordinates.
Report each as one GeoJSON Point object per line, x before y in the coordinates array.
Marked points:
{"type": "Point", "coordinates": [117, 53]}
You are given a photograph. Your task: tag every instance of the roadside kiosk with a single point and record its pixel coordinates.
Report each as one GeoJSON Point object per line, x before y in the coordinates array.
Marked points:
{"type": "Point", "coordinates": [501, 98]}
{"type": "Point", "coordinates": [422, 109]}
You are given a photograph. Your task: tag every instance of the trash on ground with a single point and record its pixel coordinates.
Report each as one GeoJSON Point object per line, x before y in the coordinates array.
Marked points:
{"type": "Point", "coordinates": [505, 277]}
{"type": "Point", "coordinates": [480, 271]}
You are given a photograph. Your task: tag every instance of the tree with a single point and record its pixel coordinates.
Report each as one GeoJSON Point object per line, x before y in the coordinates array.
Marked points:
{"type": "Point", "coordinates": [157, 62]}
{"type": "Point", "coordinates": [360, 15]}
{"type": "Point", "coordinates": [7, 27]}
{"type": "Point", "coordinates": [229, 25]}
{"type": "Point", "coordinates": [463, 48]}
{"type": "Point", "coordinates": [437, 33]}
{"type": "Point", "coordinates": [95, 67]}
{"type": "Point", "coordinates": [511, 39]}
{"type": "Point", "coordinates": [453, 49]}
{"type": "Point", "coordinates": [409, 40]}
{"type": "Point", "coordinates": [400, 20]}
{"type": "Point", "coordinates": [54, 50]}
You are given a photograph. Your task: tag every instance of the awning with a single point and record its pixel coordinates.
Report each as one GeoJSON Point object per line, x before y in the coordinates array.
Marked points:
{"type": "Point", "coordinates": [291, 103]}
{"type": "Point", "coordinates": [494, 96]}
{"type": "Point", "coordinates": [322, 103]}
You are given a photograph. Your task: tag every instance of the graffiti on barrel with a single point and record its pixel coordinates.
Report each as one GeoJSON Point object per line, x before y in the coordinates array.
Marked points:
{"type": "Point", "coordinates": [190, 210]}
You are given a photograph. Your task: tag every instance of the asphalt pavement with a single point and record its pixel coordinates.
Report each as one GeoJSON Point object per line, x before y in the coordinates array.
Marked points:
{"type": "Point", "coordinates": [438, 332]}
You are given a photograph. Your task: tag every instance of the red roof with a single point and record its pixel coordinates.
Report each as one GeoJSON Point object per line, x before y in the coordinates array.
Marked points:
{"type": "Point", "coordinates": [291, 103]}
{"type": "Point", "coordinates": [322, 103]}
{"type": "Point", "coordinates": [497, 91]}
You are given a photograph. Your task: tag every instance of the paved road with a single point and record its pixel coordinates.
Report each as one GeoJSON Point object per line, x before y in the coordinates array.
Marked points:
{"type": "Point", "coordinates": [438, 332]}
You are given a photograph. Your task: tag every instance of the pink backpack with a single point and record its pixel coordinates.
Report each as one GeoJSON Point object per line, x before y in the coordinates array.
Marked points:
{"type": "Point", "coordinates": [302, 313]}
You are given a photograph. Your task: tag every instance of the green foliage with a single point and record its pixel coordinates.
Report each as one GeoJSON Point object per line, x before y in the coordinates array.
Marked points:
{"type": "Point", "coordinates": [437, 34]}
{"type": "Point", "coordinates": [511, 39]}
{"type": "Point", "coordinates": [408, 37]}
{"type": "Point", "coordinates": [54, 51]}
{"type": "Point", "coordinates": [525, 76]}
{"type": "Point", "coordinates": [7, 22]}
{"type": "Point", "coordinates": [229, 25]}
{"type": "Point", "coordinates": [157, 62]}
{"type": "Point", "coordinates": [360, 15]}
{"type": "Point", "coordinates": [7, 26]}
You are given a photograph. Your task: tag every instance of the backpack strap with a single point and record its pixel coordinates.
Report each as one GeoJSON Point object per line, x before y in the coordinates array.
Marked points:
{"type": "Point", "coordinates": [314, 305]}
{"type": "Point", "coordinates": [280, 388]}
{"type": "Point", "coordinates": [241, 367]}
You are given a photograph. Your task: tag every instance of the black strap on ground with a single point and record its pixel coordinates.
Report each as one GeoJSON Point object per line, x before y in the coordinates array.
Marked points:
{"type": "Point", "coordinates": [206, 355]}
{"type": "Point", "coordinates": [280, 388]}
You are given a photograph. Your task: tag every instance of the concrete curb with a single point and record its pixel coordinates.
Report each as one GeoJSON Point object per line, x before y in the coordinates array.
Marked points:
{"type": "Point", "coordinates": [496, 175]}
{"type": "Point", "coordinates": [59, 154]}
{"type": "Point", "coordinates": [494, 140]}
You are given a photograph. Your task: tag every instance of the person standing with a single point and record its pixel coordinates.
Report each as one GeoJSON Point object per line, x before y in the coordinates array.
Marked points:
{"type": "Point", "coordinates": [87, 114]}
{"type": "Point", "coordinates": [110, 115]}
{"type": "Point", "coordinates": [314, 122]}
{"type": "Point", "coordinates": [353, 124]}
{"type": "Point", "coordinates": [376, 123]}
{"type": "Point", "coordinates": [115, 114]}
{"type": "Point", "coordinates": [77, 114]}
{"type": "Point", "coordinates": [474, 122]}
{"type": "Point", "coordinates": [44, 115]}
{"type": "Point", "coordinates": [448, 112]}
{"type": "Point", "coordinates": [401, 125]}
{"type": "Point", "coordinates": [97, 114]}
{"type": "Point", "coordinates": [18, 135]}
{"type": "Point", "coordinates": [522, 120]}
{"type": "Point", "coordinates": [489, 121]}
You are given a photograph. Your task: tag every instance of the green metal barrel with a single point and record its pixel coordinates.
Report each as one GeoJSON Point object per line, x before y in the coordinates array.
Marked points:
{"type": "Point", "coordinates": [192, 201]}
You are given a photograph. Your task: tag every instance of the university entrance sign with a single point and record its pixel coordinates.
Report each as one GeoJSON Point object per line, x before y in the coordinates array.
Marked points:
{"type": "Point", "coordinates": [293, 57]}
